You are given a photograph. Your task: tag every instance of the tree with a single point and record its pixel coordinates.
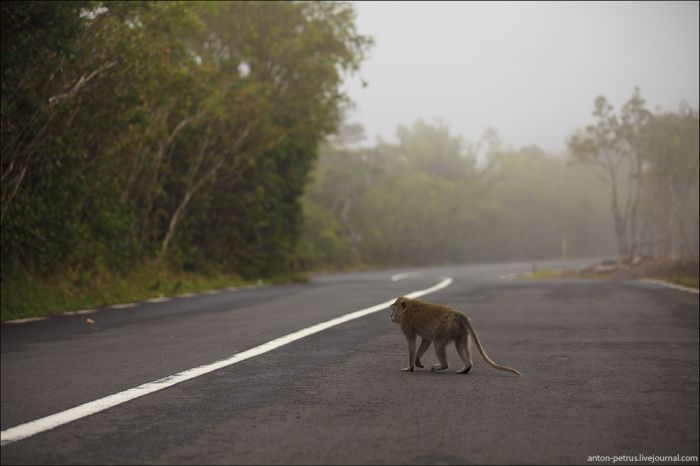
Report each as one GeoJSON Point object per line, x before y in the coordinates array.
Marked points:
{"type": "Point", "coordinates": [424, 201]}
{"type": "Point", "coordinates": [614, 146]}
{"type": "Point", "coordinates": [279, 67]}
{"type": "Point", "coordinates": [176, 130]}
{"type": "Point", "coordinates": [38, 38]}
{"type": "Point", "coordinates": [670, 197]}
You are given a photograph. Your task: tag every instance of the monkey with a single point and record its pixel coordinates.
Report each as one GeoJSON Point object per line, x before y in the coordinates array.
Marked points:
{"type": "Point", "coordinates": [439, 325]}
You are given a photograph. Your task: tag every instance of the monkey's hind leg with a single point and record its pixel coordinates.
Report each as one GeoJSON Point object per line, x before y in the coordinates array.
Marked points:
{"type": "Point", "coordinates": [441, 355]}
{"type": "Point", "coordinates": [424, 344]}
{"type": "Point", "coordinates": [462, 345]}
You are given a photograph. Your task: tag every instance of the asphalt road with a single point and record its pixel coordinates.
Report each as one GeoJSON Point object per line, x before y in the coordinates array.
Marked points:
{"type": "Point", "coordinates": [609, 368]}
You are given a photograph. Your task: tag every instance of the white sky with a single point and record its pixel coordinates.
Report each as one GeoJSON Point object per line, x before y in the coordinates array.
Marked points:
{"type": "Point", "coordinates": [531, 70]}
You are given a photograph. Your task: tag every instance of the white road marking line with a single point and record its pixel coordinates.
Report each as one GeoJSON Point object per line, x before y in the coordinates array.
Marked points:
{"type": "Point", "coordinates": [122, 306]}
{"type": "Point", "coordinates": [509, 276]}
{"type": "Point", "coordinates": [401, 276]}
{"type": "Point", "coordinates": [186, 295]}
{"type": "Point", "coordinates": [86, 311]}
{"type": "Point", "coordinates": [23, 321]}
{"type": "Point", "coordinates": [157, 300]}
{"type": "Point", "coordinates": [28, 429]}
{"type": "Point", "coordinates": [671, 285]}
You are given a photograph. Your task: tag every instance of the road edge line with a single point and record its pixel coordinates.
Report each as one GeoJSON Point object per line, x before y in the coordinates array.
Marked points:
{"type": "Point", "coordinates": [673, 286]}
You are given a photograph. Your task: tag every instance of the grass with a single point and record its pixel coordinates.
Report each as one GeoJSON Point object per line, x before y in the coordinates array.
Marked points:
{"type": "Point", "coordinates": [26, 296]}
{"type": "Point", "coordinates": [669, 276]}
{"type": "Point", "coordinates": [543, 274]}
{"type": "Point", "coordinates": [552, 274]}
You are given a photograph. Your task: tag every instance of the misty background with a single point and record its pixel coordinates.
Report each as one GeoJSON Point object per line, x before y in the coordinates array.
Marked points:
{"type": "Point", "coordinates": [461, 139]}
{"type": "Point", "coordinates": [160, 147]}
{"type": "Point", "coordinates": [529, 69]}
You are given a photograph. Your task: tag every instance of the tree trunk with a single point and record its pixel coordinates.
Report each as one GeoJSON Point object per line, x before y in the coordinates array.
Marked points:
{"type": "Point", "coordinates": [619, 220]}
{"type": "Point", "coordinates": [174, 221]}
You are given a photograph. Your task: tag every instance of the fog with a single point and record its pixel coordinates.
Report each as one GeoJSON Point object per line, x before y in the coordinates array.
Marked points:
{"type": "Point", "coordinates": [213, 141]}
{"type": "Point", "coordinates": [531, 70]}
{"type": "Point", "coordinates": [190, 185]}
{"type": "Point", "coordinates": [481, 142]}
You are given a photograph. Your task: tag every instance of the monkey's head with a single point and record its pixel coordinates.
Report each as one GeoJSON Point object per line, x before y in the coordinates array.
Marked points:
{"type": "Point", "coordinates": [398, 309]}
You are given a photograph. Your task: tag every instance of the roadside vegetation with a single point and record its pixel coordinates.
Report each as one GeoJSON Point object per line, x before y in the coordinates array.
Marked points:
{"type": "Point", "coordinates": [677, 271]}
{"type": "Point", "coordinates": [163, 139]}
{"type": "Point", "coordinates": [432, 198]}
{"type": "Point", "coordinates": [158, 148]}
{"type": "Point", "coordinates": [31, 296]}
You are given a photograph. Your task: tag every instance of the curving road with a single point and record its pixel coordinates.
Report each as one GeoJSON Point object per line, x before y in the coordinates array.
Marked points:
{"type": "Point", "coordinates": [609, 368]}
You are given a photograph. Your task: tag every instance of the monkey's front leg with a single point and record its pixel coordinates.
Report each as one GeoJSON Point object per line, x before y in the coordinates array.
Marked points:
{"type": "Point", "coordinates": [411, 353]}
{"type": "Point", "coordinates": [424, 344]}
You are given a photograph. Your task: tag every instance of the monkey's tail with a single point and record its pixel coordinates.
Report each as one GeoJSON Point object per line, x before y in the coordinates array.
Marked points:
{"type": "Point", "coordinates": [467, 323]}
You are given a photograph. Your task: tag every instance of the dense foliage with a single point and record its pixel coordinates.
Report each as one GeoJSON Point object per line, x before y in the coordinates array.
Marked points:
{"type": "Point", "coordinates": [426, 200]}
{"type": "Point", "coordinates": [176, 131]}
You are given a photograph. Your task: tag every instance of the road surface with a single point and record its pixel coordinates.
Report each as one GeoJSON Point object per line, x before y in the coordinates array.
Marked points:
{"type": "Point", "coordinates": [609, 368]}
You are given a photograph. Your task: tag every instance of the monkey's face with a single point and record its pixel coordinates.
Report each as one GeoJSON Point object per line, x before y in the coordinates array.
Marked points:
{"type": "Point", "coordinates": [397, 310]}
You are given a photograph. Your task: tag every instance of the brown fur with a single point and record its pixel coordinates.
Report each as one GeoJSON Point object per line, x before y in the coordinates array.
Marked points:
{"type": "Point", "coordinates": [439, 325]}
